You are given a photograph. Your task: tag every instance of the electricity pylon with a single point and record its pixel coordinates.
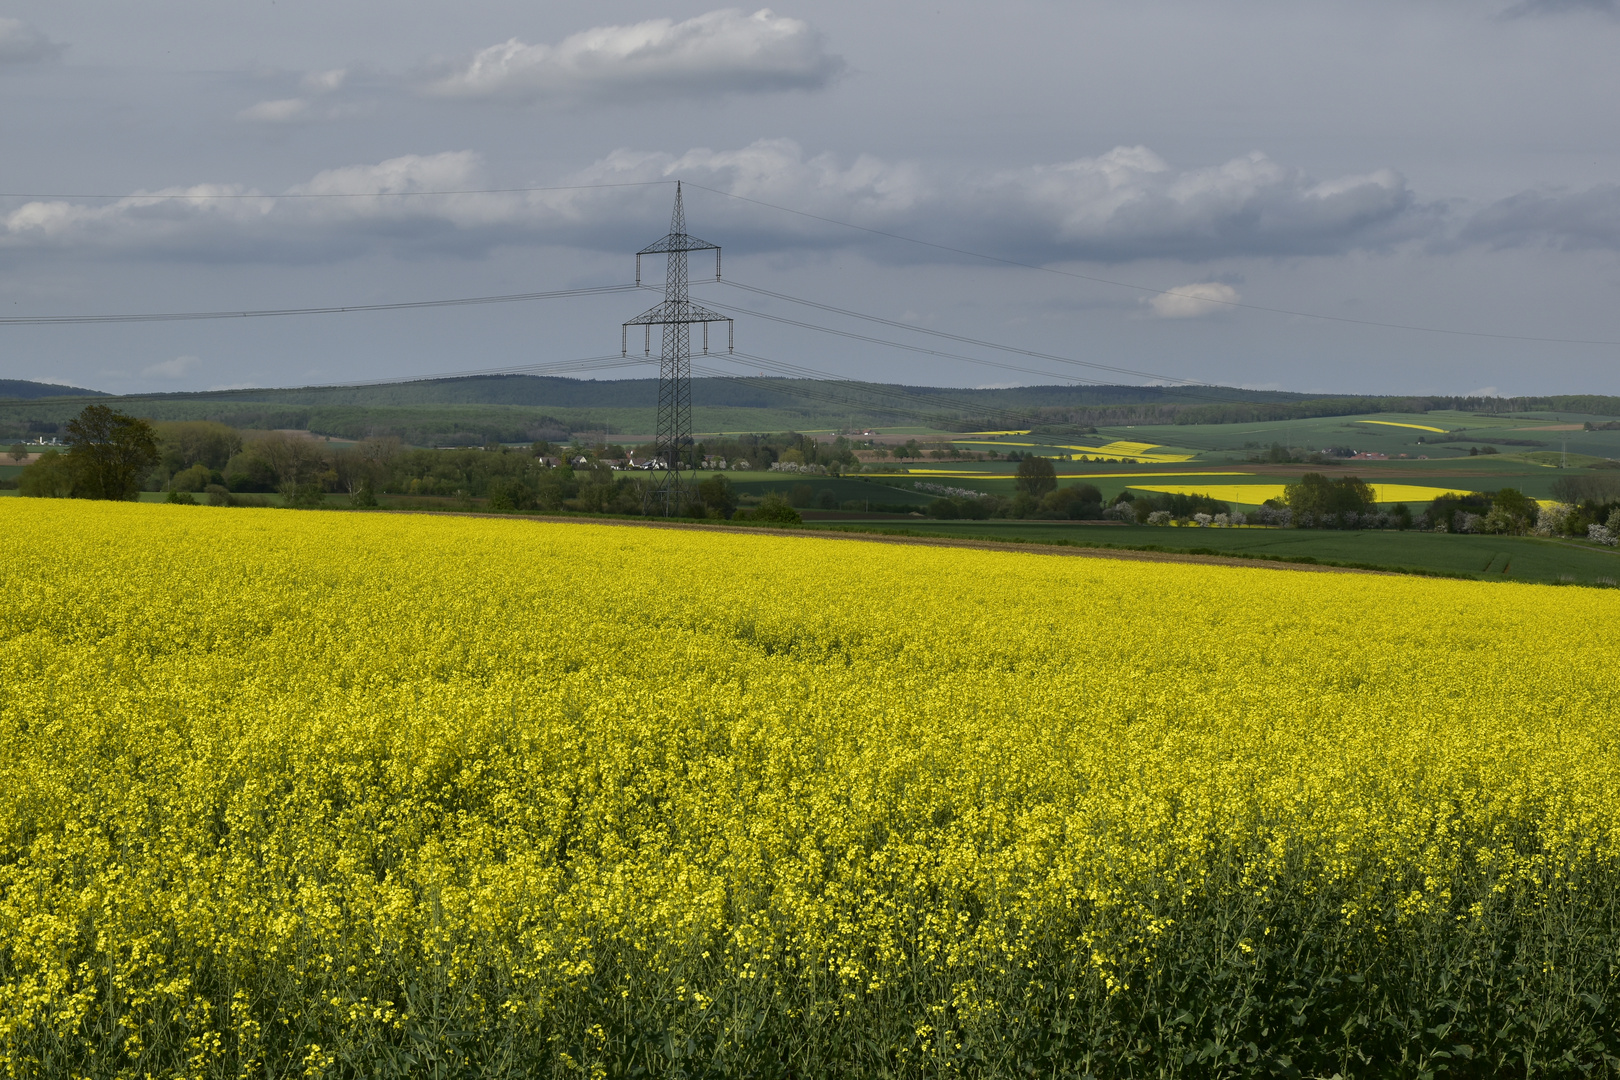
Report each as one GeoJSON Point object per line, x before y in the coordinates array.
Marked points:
{"type": "Point", "coordinates": [675, 451]}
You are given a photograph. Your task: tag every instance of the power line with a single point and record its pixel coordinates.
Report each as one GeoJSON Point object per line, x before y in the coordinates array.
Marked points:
{"type": "Point", "coordinates": [1148, 288]}
{"type": "Point", "coordinates": [339, 194]}
{"type": "Point", "coordinates": [1187, 386]}
{"type": "Point", "coordinates": [934, 403]}
{"type": "Point", "coordinates": [589, 363]}
{"type": "Point", "coordinates": [891, 344]}
{"type": "Point", "coordinates": [192, 316]}
{"type": "Point", "coordinates": [199, 196]}
{"type": "Point", "coordinates": [949, 336]}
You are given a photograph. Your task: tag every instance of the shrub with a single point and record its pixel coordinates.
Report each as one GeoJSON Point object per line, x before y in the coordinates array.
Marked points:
{"type": "Point", "coordinates": [718, 494]}
{"type": "Point", "coordinates": [195, 478]}
{"type": "Point", "coordinates": [303, 496]}
{"type": "Point", "coordinates": [1077, 501]}
{"type": "Point", "coordinates": [1553, 520]}
{"type": "Point", "coordinates": [773, 509]}
{"type": "Point", "coordinates": [51, 476]}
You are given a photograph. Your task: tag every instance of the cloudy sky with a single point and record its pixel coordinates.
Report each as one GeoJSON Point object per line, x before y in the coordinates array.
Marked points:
{"type": "Point", "coordinates": [1361, 196]}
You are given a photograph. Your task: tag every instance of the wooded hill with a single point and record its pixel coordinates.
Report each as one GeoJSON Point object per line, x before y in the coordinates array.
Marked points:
{"type": "Point", "coordinates": [515, 407]}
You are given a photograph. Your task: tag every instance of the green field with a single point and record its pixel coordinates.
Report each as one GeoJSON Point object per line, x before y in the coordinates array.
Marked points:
{"type": "Point", "coordinates": [1382, 433]}
{"type": "Point", "coordinates": [1486, 558]}
{"type": "Point", "coordinates": [844, 488]}
{"type": "Point", "coordinates": [1532, 449]}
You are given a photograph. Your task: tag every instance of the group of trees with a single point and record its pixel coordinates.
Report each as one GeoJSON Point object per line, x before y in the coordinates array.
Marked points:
{"type": "Point", "coordinates": [1507, 511]}
{"type": "Point", "coordinates": [115, 456]}
{"type": "Point", "coordinates": [109, 455]}
{"type": "Point", "coordinates": [1319, 502]}
{"type": "Point", "coordinates": [1037, 496]}
{"type": "Point", "coordinates": [1314, 501]}
{"type": "Point", "coordinates": [1278, 454]}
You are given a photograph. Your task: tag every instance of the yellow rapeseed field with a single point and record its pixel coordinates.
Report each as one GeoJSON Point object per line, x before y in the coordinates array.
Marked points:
{"type": "Point", "coordinates": [1256, 494]}
{"type": "Point", "coordinates": [289, 793]}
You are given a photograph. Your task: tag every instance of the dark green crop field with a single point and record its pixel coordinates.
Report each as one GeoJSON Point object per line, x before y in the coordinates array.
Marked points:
{"type": "Point", "coordinates": [1493, 558]}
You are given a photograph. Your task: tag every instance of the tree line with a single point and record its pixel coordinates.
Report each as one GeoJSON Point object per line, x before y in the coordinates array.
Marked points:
{"type": "Point", "coordinates": [112, 455]}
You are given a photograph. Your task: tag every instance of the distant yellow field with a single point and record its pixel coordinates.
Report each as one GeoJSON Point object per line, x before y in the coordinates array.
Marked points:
{"type": "Point", "coordinates": [1393, 423]}
{"type": "Point", "coordinates": [970, 474]}
{"type": "Point", "coordinates": [1413, 493]}
{"type": "Point", "coordinates": [1242, 494]}
{"type": "Point", "coordinates": [1138, 452]}
{"type": "Point", "coordinates": [1255, 494]}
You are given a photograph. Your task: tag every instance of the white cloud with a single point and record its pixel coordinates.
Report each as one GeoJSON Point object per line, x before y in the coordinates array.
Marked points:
{"type": "Point", "coordinates": [720, 52]}
{"type": "Point", "coordinates": [1191, 301]}
{"type": "Point", "coordinates": [171, 369]}
{"type": "Point", "coordinates": [22, 44]}
{"type": "Point", "coordinates": [315, 85]}
{"type": "Point", "coordinates": [412, 172]}
{"type": "Point", "coordinates": [280, 111]}
{"type": "Point", "coordinates": [324, 82]}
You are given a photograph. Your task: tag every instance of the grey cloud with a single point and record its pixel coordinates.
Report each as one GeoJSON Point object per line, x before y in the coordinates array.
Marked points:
{"type": "Point", "coordinates": [23, 44]}
{"type": "Point", "coordinates": [1126, 204]}
{"type": "Point", "coordinates": [1533, 8]}
{"type": "Point", "coordinates": [1123, 205]}
{"type": "Point", "coordinates": [724, 51]}
{"type": "Point", "coordinates": [1569, 220]}
{"type": "Point", "coordinates": [1131, 204]}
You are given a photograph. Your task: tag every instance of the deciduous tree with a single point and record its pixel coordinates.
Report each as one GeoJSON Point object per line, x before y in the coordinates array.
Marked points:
{"type": "Point", "coordinates": [110, 452]}
{"type": "Point", "coordinates": [1036, 476]}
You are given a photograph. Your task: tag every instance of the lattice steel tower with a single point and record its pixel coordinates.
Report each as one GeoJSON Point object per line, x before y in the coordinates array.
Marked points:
{"type": "Point", "coordinates": [675, 451]}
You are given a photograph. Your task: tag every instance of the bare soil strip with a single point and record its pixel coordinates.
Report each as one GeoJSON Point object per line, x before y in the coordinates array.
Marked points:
{"type": "Point", "coordinates": [926, 541]}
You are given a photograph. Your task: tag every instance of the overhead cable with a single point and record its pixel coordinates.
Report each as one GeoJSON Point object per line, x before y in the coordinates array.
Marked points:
{"type": "Point", "coordinates": [1149, 288]}
{"type": "Point", "coordinates": [209, 195]}
{"type": "Point", "coordinates": [192, 316]}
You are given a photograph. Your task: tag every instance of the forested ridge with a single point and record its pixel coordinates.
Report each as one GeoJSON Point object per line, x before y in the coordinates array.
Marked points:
{"type": "Point", "coordinates": [520, 408]}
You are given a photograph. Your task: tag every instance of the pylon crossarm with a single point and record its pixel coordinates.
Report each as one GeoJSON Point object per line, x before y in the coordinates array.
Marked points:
{"type": "Point", "coordinates": [670, 313]}
{"type": "Point", "coordinates": [677, 242]}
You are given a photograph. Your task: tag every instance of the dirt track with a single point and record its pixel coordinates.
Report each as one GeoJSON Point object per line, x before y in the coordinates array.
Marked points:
{"type": "Point", "coordinates": [923, 541]}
